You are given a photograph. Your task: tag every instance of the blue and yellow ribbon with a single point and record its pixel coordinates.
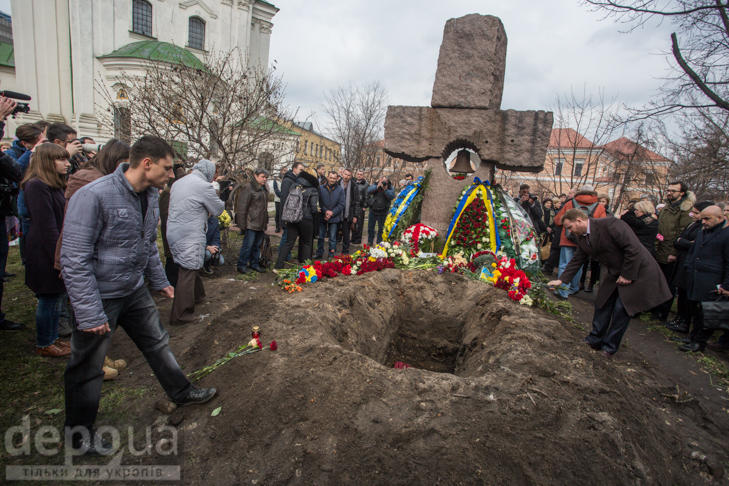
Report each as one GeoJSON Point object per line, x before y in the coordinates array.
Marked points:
{"type": "Point", "coordinates": [477, 188]}
{"type": "Point", "coordinates": [397, 210]}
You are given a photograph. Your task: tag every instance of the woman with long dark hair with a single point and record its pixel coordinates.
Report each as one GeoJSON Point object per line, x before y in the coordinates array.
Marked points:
{"type": "Point", "coordinates": [44, 184]}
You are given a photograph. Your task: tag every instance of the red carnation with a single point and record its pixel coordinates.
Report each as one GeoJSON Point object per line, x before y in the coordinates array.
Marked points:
{"type": "Point", "coordinates": [273, 346]}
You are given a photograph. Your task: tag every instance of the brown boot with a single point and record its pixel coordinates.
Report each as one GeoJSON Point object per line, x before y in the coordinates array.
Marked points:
{"type": "Point", "coordinates": [54, 351]}
{"type": "Point", "coordinates": [110, 373]}
{"type": "Point", "coordinates": [115, 364]}
{"type": "Point", "coordinates": [63, 343]}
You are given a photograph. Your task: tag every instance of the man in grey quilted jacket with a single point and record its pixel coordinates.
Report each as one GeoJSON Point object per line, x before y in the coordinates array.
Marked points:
{"type": "Point", "coordinates": [192, 201]}
{"type": "Point", "coordinates": [109, 247]}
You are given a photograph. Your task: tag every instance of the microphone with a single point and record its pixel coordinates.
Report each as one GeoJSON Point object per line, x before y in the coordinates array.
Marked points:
{"type": "Point", "coordinates": [14, 95]}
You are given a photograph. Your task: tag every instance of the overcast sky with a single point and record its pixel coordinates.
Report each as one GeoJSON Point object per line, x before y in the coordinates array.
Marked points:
{"type": "Point", "coordinates": [553, 45]}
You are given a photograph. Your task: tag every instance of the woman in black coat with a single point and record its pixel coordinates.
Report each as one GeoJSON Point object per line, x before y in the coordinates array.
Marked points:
{"type": "Point", "coordinates": [44, 185]}
{"type": "Point", "coordinates": [644, 225]}
{"type": "Point", "coordinates": [684, 312]}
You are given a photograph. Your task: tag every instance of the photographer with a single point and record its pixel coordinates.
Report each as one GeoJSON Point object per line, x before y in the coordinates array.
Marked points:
{"type": "Point", "coordinates": [65, 136]}
{"type": "Point", "coordinates": [380, 195]}
{"type": "Point", "coordinates": [213, 255]}
{"type": "Point", "coordinates": [7, 108]}
{"type": "Point", "coordinates": [531, 205]}
{"type": "Point", "coordinates": [10, 174]}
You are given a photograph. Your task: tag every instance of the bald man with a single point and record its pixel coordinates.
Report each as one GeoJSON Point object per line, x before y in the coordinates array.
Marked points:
{"type": "Point", "coordinates": [707, 268]}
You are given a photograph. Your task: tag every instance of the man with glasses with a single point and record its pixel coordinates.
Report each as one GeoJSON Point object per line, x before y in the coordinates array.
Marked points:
{"type": "Point", "coordinates": [672, 220]}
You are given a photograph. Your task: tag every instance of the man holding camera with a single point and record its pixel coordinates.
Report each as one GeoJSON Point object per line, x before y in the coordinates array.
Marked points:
{"type": "Point", "coordinates": [533, 208]}
{"type": "Point", "coordinates": [380, 195]}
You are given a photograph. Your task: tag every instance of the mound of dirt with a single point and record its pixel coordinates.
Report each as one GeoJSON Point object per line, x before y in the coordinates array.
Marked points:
{"type": "Point", "coordinates": [498, 394]}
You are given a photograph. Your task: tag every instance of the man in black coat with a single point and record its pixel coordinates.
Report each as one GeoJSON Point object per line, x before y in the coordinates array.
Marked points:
{"type": "Point", "coordinates": [350, 215]}
{"type": "Point", "coordinates": [707, 266]}
{"type": "Point", "coordinates": [288, 181]}
{"type": "Point", "coordinates": [531, 205]}
{"type": "Point", "coordinates": [361, 185]}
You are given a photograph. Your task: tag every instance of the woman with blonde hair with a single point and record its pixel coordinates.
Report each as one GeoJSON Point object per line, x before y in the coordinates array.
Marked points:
{"type": "Point", "coordinates": [644, 223]}
{"type": "Point", "coordinates": [44, 185]}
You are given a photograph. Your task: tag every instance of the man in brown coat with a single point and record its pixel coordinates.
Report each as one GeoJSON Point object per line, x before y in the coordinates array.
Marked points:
{"type": "Point", "coordinates": [251, 216]}
{"type": "Point", "coordinates": [632, 280]}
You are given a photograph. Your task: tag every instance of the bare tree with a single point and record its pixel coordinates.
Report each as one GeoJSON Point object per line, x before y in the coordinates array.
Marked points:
{"type": "Point", "coordinates": [636, 166]}
{"type": "Point", "coordinates": [356, 119]}
{"type": "Point", "coordinates": [699, 49]}
{"type": "Point", "coordinates": [702, 154]}
{"type": "Point", "coordinates": [215, 108]}
{"type": "Point", "coordinates": [583, 123]}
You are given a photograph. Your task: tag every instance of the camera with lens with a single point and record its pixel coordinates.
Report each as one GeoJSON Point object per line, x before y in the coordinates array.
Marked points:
{"type": "Point", "coordinates": [89, 147]}
{"type": "Point", "coordinates": [19, 107]}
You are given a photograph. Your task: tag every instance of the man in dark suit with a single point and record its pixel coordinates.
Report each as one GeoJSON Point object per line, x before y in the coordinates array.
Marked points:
{"type": "Point", "coordinates": [707, 269]}
{"type": "Point", "coordinates": [632, 281]}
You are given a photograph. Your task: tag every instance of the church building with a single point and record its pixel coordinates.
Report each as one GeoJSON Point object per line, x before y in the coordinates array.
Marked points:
{"type": "Point", "coordinates": [62, 50]}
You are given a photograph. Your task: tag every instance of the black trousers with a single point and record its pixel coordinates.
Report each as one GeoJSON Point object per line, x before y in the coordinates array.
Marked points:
{"type": "Point", "coordinates": [137, 315]}
{"type": "Point", "coordinates": [665, 308]}
{"type": "Point", "coordinates": [346, 235]}
{"type": "Point", "coordinates": [278, 215]}
{"type": "Point", "coordinates": [359, 227]}
{"type": "Point", "coordinates": [698, 332]}
{"type": "Point", "coordinates": [684, 309]}
{"type": "Point", "coordinates": [594, 266]}
{"type": "Point", "coordinates": [172, 270]}
{"type": "Point", "coordinates": [304, 231]}
{"type": "Point", "coordinates": [609, 324]}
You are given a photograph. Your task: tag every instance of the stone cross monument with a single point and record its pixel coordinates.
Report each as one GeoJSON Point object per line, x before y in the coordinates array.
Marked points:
{"type": "Point", "coordinates": [466, 112]}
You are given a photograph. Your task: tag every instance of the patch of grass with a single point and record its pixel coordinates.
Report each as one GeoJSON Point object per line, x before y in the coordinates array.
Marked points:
{"type": "Point", "coordinates": [667, 333]}
{"type": "Point", "coordinates": [716, 368]}
{"type": "Point", "coordinates": [115, 395]}
{"type": "Point", "coordinates": [646, 318]}
{"type": "Point", "coordinates": [248, 277]}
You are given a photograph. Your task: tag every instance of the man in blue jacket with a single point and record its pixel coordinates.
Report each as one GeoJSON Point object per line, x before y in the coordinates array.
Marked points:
{"type": "Point", "coordinates": [109, 248]}
{"type": "Point", "coordinates": [331, 202]}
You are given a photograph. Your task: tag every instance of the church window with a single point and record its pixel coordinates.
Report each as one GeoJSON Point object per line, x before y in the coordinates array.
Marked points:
{"type": "Point", "coordinates": [196, 37]}
{"type": "Point", "coordinates": [142, 17]}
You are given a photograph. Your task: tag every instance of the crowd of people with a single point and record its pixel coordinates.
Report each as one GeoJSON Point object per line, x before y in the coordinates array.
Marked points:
{"type": "Point", "coordinates": [684, 239]}
{"type": "Point", "coordinates": [89, 245]}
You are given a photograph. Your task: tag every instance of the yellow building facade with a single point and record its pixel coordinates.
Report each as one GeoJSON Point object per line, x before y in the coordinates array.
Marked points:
{"type": "Point", "coordinates": [314, 148]}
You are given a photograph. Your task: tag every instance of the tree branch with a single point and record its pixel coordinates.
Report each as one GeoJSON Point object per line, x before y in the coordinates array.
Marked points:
{"type": "Point", "coordinates": [695, 77]}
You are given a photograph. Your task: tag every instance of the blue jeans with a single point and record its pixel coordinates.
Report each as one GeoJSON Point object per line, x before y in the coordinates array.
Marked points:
{"type": "Point", "coordinates": [47, 314]}
{"type": "Point", "coordinates": [137, 315]}
{"type": "Point", "coordinates": [325, 227]}
{"type": "Point", "coordinates": [282, 243]}
{"type": "Point", "coordinates": [209, 255]}
{"type": "Point", "coordinates": [375, 219]}
{"type": "Point", "coordinates": [250, 250]}
{"type": "Point", "coordinates": [565, 255]}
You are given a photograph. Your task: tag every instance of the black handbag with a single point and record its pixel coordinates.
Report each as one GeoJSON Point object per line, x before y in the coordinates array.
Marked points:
{"type": "Point", "coordinates": [716, 314]}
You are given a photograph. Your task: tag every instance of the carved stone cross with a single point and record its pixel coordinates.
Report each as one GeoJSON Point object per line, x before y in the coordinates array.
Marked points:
{"type": "Point", "coordinates": [466, 112]}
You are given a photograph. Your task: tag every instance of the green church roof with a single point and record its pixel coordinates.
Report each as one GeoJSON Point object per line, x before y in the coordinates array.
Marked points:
{"type": "Point", "coordinates": [156, 51]}
{"type": "Point", "coordinates": [7, 55]}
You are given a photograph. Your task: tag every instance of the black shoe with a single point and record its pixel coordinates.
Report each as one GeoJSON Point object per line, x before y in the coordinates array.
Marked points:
{"type": "Point", "coordinates": [278, 230]}
{"type": "Point", "coordinates": [197, 396]}
{"type": "Point", "coordinates": [677, 320]}
{"type": "Point", "coordinates": [244, 271]}
{"type": "Point", "coordinates": [656, 316]}
{"type": "Point", "coordinates": [681, 327]}
{"type": "Point", "coordinates": [596, 348]}
{"type": "Point", "coordinates": [7, 325]}
{"type": "Point", "coordinates": [717, 346]}
{"type": "Point", "coordinates": [259, 269]}
{"type": "Point", "coordinates": [207, 269]}
{"type": "Point", "coordinates": [693, 346]}
{"type": "Point", "coordinates": [588, 288]}
{"type": "Point", "coordinates": [93, 446]}
{"type": "Point", "coordinates": [681, 340]}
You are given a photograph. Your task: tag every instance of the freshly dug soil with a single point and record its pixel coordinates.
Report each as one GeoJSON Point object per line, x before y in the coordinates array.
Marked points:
{"type": "Point", "coordinates": [498, 393]}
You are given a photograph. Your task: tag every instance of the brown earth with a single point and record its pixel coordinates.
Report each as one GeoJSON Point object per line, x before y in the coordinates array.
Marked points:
{"type": "Point", "coordinates": [514, 396]}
